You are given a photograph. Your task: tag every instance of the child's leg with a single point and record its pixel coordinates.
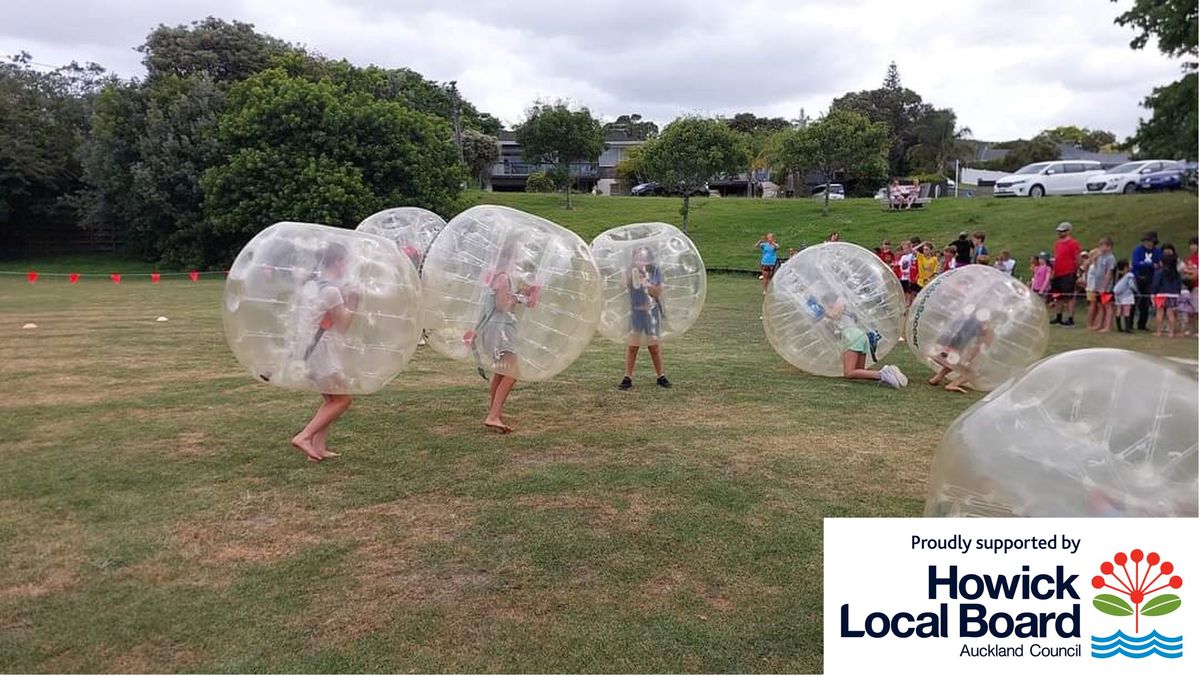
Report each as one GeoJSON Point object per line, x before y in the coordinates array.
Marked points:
{"type": "Point", "coordinates": [1106, 318]}
{"type": "Point", "coordinates": [656, 357]}
{"type": "Point", "coordinates": [492, 385]}
{"type": "Point", "coordinates": [631, 353]}
{"type": "Point", "coordinates": [959, 384]}
{"type": "Point", "coordinates": [853, 364]}
{"type": "Point", "coordinates": [1170, 322]}
{"type": "Point", "coordinates": [331, 409]}
{"type": "Point", "coordinates": [938, 377]}
{"type": "Point", "coordinates": [1159, 318]}
{"type": "Point", "coordinates": [494, 419]}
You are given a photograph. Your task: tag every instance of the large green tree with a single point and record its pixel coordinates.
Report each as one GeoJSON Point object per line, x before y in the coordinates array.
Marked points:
{"type": "Point", "coordinates": [554, 134]}
{"type": "Point", "coordinates": [894, 105]}
{"type": "Point", "coordinates": [690, 152]}
{"type": "Point", "coordinates": [1171, 130]}
{"type": "Point", "coordinates": [939, 141]}
{"type": "Point", "coordinates": [633, 126]}
{"type": "Point", "coordinates": [313, 151]}
{"type": "Point", "coordinates": [43, 116]}
{"type": "Point", "coordinates": [1093, 140]}
{"type": "Point", "coordinates": [840, 145]}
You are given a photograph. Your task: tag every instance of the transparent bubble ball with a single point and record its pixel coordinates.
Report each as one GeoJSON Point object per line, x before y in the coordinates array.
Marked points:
{"type": "Point", "coordinates": [282, 295]}
{"type": "Point", "coordinates": [1096, 432]}
{"type": "Point", "coordinates": [823, 295]}
{"type": "Point", "coordinates": [654, 283]}
{"type": "Point", "coordinates": [412, 229]}
{"type": "Point", "coordinates": [510, 293]}
{"type": "Point", "coordinates": [979, 322]}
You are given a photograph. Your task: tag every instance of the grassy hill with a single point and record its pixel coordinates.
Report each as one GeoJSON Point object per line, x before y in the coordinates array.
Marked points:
{"type": "Point", "coordinates": [726, 229]}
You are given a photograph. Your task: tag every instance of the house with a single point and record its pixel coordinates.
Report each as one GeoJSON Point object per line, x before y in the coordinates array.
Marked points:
{"type": "Point", "coordinates": [510, 173]}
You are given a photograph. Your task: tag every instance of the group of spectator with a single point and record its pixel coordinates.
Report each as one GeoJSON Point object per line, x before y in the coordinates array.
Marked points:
{"type": "Point", "coordinates": [1119, 291]}
{"type": "Point", "coordinates": [918, 261]}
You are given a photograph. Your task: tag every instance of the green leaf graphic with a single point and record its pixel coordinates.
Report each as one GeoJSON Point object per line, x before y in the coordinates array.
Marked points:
{"type": "Point", "coordinates": [1161, 605]}
{"type": "Point", "coordinates": [1112, 605]}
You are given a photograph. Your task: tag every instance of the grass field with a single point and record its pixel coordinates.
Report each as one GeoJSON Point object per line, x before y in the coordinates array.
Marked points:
{"type": "Point", "coordinates": [726, 229]}
{"type": "Point", "coordinates": [154, 518]}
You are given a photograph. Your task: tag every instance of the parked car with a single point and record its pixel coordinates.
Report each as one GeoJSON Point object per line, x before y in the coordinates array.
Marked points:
{"type": "Point", "coordinates": [1126, 178]}
{"type": "Point", "coordinates": [655, 190]}
{"type": "Point", "coordinates": [836, 192]}
{"type": "Point", "coordinates": [1174, 178]}
{"type": "Point", "coordinates": [1067, 177]}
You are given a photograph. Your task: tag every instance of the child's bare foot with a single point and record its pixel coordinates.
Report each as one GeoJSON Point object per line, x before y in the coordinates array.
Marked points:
{"type": "Point", "coordinates": [497, 425]}
{"type": "Point", "coordinates": [305, 446]}
{"type": "Point", "coordinates": [326, 454]}
{"type": "Point", "coordinates": [1104, 330]}
{"type": "Point", "coordinates": [936, 380]}
{"type": "Point", "coordinates": [956, 387]}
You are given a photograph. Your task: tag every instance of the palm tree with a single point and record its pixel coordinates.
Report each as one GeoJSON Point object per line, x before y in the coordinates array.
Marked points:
{"type": "Point", "coordinates": [940, 141]}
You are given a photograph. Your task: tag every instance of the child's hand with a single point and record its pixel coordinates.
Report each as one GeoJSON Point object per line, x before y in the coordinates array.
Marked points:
{"type": "Point", "coordinates": [469, 337]}
{"type": "Point", "coordinates": [535, 293]}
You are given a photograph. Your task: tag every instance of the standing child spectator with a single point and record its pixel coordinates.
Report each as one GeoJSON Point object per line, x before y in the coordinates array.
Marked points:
{"type": "Point", "coordinates": [927, 266]}
{"type": "Point", "coordinates": [977, 247]}
{"type": "Point", "coordinates": [885, 252]}
{"type": "Point", "coordinates": [1005, 263]}
{"type": "Point", "coordinates": [1144, 261]}
{"type": "Point", "coordinates": [949, 259]}
{"type": "Point", "coordinates": [962, 248]}
{"type": "Point", "coordinates": [1124, 296]}
{"type": "Point", "coordinates": [1166, 287]}
{"type": "Point", "coordinates": [770, 256]}
{"type": "Point", "coordinates": [1101, 268]}
{"type": "Point", "coordinates": [1185, 310]}
{"type": "Point", "coordinates": [1040, 281]}
{"type": "Point", "coordinates": [908, 270]}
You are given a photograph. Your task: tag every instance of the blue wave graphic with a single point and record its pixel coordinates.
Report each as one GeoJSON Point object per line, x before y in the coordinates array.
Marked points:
{"type": "Point", "coordinates": [1137, 647]}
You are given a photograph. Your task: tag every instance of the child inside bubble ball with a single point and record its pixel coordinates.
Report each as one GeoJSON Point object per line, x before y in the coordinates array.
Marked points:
{"type": "Point", "coordinates": [957, 348]}
{"type": "Point", "coordinates": [327, 307]}
{"type": "Point", "coordinates": [646, 314]}
{"type": "Point", "coordinates": [494, 339]}
{"type": "Point", "coordinates": [856, 342]}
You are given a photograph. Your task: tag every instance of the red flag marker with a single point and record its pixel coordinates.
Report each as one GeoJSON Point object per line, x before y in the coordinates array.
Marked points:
{"type": "Point", "coordinates": [193, 275]}
{"type": "Point", "coordinates": [73, 277]}
{"type": "Point", "coordinates": [31, 276]}
{"type": "Point", "coordinates": [154, 277]}
{"type": "Point", "coordinates": [116, 277]}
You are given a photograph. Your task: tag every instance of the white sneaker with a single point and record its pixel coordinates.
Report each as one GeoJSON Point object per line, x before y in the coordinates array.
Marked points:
{"type": "Point", "coordinates": [886, 377]}
{"type": "Point", "coordinates": [903, 379]}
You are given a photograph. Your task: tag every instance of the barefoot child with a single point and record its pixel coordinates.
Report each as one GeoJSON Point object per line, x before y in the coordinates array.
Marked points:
{"type": "Point", "coordinates": [328, 308]}
{"type": "Point", "coordinates": [1099, 287]}
{"type": "Point", "coordinates": [958, 348]}
{"type": "Point", "coordinates": [494, 339]}
{"type": "Point", "coordinates": [645, 315]}
{"type": "Point", "coordinates": [1124, 296]}
{"type": "Point", "coordinates": [1166, 287]}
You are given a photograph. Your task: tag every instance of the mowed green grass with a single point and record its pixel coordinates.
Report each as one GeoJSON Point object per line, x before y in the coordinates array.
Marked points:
{"type": "Point", "coordinates": [154, 518]}
{"type": "Point", "coordinates": [725, 229]}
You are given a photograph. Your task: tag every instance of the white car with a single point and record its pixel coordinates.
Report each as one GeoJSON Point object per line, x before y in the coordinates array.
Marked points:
{"type": "Point", "coordinates": [1060, 177]}
{"type": "Point", "coordinates": [836, 192]}
{"type": "Point", "coordinates": [1124, 178]}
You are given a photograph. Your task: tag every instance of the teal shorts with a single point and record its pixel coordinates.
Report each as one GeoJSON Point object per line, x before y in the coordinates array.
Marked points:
{"type": "Point", "coordinates": [855, 339]}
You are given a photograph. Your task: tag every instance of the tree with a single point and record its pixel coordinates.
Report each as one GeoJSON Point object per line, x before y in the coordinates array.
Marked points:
{"type": "Point", "coordinates": [552, 133]}
{"type": "Point", "coordinates": [842, 143]}
{"type": "Point", "coordinates": [1171, 129]}
{"type": "Point", "coordinates": [311, 151]}
{"type": "Point", "coordinates": [224, 51]}
{"type": "Point", "coordinates": [1092, 140]}
{"type": "Point", "coordinates": [1041, 148]}
{"type": "Point", "coordinates": [690, 152]}
{"type": "Point", "coordinates": [898, 107]}
{"type": "Point", "coordinates": [632, 126]}
{"type": "Point", "coordinates": [42, 117]}
{"type": "Point", "coordinates": [749, 123]}
{"type": "Point", "coordinates": [939, 141]}
{"type": "Point", "coordinates": [631, 168]}
{"type": "Point", "coordinates": [480, 151]}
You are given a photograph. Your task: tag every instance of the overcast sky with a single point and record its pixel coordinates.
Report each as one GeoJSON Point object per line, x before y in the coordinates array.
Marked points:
{"type": "Point", "coordinates": [1009, 68]}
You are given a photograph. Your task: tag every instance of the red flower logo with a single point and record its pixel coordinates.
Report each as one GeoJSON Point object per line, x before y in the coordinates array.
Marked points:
{"type": "Point", "coordinates": [1136, 586]}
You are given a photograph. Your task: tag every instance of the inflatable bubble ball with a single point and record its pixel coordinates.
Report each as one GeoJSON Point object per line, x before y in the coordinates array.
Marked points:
{"type": "Point", "coordinates": [824, 296]}
{"type": "Point", "coordinates": [1096, 432]}
{"type": "Point", "coordinates": [412, 229]}
{"type": "Point", "coordinates": [977, 322]}
{"type": "Point", "coordinates": [510, 293]}
{"type": "Point", "coordinates": [654, 283]}
{"type": "Point", "coordinates": [310, 307]}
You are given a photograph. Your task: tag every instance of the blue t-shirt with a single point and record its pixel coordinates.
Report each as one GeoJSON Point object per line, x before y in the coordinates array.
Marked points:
{"type": "Point", "coordinates": [1144, 260]}
{"type": "Point", "coordinates": [769, 253]}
